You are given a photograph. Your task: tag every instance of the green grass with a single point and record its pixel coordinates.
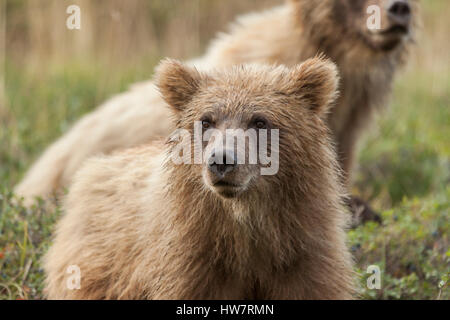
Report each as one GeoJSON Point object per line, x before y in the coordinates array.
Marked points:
{"type": "Point", "coordinates": [408, 152]}
{"type": "Point", "coordinates": [24, 237]}
{"type": "Point", "coordinates": [410, 248]}
{"type": "Point", "coordinates": [404, 171]}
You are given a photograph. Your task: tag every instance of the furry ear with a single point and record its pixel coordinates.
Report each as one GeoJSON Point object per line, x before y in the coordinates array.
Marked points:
{"type": "Point", "coordinates": [315, 82]}
{"type": "Point", "coordinates": [177, 83]}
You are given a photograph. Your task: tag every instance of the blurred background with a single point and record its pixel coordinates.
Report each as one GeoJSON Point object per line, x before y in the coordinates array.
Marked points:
{"type": "Point", "coordinates": [50, 76]}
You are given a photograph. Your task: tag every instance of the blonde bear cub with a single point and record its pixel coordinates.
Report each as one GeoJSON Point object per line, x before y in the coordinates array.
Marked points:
{"type": "Point", "coordinates": [140, 226]}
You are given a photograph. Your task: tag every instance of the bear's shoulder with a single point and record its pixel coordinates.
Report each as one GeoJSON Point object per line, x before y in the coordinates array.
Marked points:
{"type": "Point", "coordinates": [121, 175]}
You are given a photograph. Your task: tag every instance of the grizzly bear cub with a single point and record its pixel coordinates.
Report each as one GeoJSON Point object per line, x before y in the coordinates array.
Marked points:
{"type": "Point", "coordinates": [140, 225]}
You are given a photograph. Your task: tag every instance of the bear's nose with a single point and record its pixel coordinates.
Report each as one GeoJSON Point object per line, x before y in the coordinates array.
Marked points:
{"type": "Point", "coordinates": [222, 162]}
{"type": "Point", "coordinates": [400, 11]}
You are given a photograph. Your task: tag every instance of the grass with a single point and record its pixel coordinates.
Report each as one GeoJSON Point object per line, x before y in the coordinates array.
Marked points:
{"type": "Point", "coordinates": [410, 248]}
{"type": "Point", "coordinates": [405, 171]}
{"type": "Point", "coordinates": [404, 166]}
{"type": "Point", "coordinates": [24, 237]}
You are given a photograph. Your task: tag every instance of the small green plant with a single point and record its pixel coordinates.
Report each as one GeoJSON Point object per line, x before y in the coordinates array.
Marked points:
{"type": "Point", "coordinates": [25, 235]}
{"type": "Point", "coordinates": [411, 249]}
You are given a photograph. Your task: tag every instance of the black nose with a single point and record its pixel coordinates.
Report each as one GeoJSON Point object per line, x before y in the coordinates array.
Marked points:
{"type": "Point", "coordinates": [400, 9]}
{"type": "Point", "coordinates": [222, 162]}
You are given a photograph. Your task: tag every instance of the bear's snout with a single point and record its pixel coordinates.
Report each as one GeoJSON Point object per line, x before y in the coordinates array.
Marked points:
{"type": "Point", "coordinates": [222, 162]}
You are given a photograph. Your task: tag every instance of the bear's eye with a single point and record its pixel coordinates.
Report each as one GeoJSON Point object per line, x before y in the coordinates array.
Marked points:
{"type": "Point", "coordinates": [260, 123]}
{"type": "Point", "coordinates": [206, 124]}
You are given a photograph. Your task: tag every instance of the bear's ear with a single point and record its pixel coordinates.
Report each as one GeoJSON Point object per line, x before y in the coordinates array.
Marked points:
{"type": "Point", "coordinates": [177, 83]}
{"type": "Point", "coordinates": [315, 83]}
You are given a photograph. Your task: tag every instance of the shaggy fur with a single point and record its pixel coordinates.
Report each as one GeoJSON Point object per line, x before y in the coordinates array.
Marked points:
{"type": "Point", "coordinates": [287, 35]}
{"type": "Point", "coordinates": [141, 227]}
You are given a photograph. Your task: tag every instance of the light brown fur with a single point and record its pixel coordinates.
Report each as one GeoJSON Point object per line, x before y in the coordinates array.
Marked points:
{"type": "Point", "coordinates": [141, 227]}
{"type": "Point", "coordinates": [287, 35]}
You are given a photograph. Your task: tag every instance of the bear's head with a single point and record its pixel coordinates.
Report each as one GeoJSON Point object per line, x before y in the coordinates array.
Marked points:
{"type": "Point", "coordinates": [381, 25]}
{"type": "Point", "coordinates": [251, 128]}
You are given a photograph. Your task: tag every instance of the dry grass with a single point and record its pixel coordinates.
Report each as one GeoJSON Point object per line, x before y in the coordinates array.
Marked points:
{"type": "Point", "coordinates": [115, 31]}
